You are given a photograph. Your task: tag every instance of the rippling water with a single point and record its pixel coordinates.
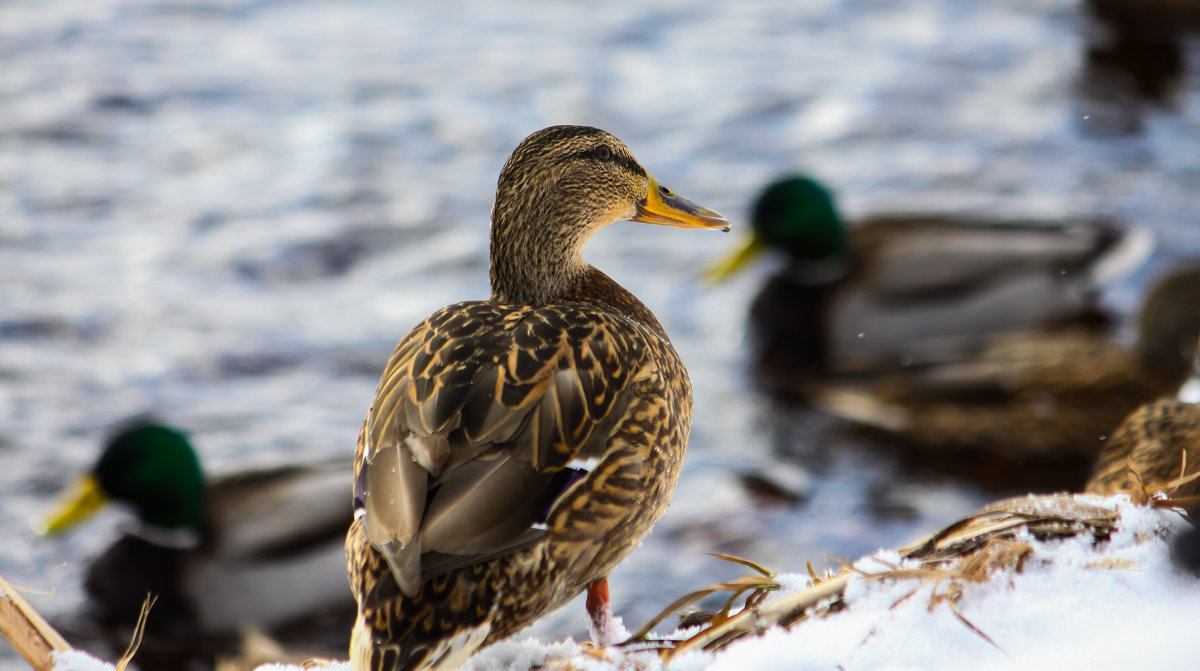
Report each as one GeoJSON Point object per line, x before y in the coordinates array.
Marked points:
{"type": "Point", "coordinates": [227, 212]}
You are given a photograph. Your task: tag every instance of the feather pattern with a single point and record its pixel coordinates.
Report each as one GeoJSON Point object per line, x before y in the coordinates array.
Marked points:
{"type": "Point", "coordinates": [1157, 444]}
{"type": "Point", "coordinates": [518, 447]}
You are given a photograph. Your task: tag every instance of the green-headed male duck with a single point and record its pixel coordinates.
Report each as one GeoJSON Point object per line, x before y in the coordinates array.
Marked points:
{"type": "Point", "coordinates": [254, 549]}
{"type": "Point", "coordinates": [882, 292]}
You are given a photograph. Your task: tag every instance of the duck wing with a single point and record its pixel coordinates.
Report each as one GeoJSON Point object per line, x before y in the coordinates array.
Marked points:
{"type": "Point", "coordinates": [925, 285]}
{"type": "Point", "coordinates": [911, 257]}
{"type": "Point", "coordinates": [484, 416]}
{"type": "Point", "coordinates": [278, 511]}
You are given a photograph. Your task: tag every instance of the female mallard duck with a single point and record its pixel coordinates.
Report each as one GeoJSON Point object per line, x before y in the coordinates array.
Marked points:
{"type": "Point", "coordinates": [252, 549]}
{"type": "Point", "coordinates": [894, 288]}
{"type": "Point", "coordinates": [1036, 393]}
{"type": "Point", "coordinates": [1153, 446]}
{"type": "Point", "coordinates": [519, 447]}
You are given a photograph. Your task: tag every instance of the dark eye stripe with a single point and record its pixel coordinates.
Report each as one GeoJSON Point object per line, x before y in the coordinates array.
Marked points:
{"type": "Point", "coordinates": [622, 160]}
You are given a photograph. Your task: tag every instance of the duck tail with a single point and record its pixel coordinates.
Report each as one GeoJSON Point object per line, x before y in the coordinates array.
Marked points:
{"type": "Point", "coordinates": [863, 408]}
{"type": "Point", "coordinates": [1126, 250]}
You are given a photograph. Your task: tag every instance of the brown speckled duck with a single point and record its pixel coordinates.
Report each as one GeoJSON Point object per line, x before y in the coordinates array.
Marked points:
{"type": "Point", "coordinates": [1157, 448]}
{"type": "Point", "coordinates": [1151, 447]}
{"type": "Point", "coordinates": [519, 447]}
{"type": "Point", "coordinates": [1034, 394]}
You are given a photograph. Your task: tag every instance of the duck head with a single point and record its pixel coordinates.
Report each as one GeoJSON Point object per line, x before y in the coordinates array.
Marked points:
{"type": "Point", "coordinates": [796, 215]}
{"type": "Point", "coordinates": [560, 186]}
{"type": "Point", "coordinates": [149, 467]}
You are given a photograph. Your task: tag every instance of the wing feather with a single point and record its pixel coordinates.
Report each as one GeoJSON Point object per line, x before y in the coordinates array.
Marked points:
{"type": "Point", "coordinates": [480, 408]}
{"type": "Point", "coordinates": [394, 501]}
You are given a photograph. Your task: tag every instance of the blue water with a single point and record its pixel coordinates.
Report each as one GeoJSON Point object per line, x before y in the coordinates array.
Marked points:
{"type": "Point", "coordinates": [227, 212]}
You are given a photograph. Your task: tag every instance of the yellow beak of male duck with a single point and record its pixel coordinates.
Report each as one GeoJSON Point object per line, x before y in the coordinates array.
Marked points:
{"type": "Point", "coordinates": [79, 503]}
{"type": "Point", "coordinates": [664, 207]}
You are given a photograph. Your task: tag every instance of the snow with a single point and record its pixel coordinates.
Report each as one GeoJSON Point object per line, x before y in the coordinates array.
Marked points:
{"type": "Point", "coordinates": [1067, 613]}
{"type": "Point", "coordinates": [1190, 391]}
{"type": "Point", "coordinates": [77, 660]}
{"type": "Point", "coordinates": [1117, 605]}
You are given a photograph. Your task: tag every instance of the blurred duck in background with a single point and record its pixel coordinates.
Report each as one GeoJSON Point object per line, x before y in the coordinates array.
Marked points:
{"type": "Point", "coordinates": [891, 290]}
{"type": "Point", "coordinates": [1034, 394]}
{"type": "Point", "coordinates": [1157, 449]}
{"type": "Point", "coordinates": [1135, 61]}
{"type": "Point", "coordinates": [255, 549]}
{"type": "Point", "coordinates": [1156, 445]}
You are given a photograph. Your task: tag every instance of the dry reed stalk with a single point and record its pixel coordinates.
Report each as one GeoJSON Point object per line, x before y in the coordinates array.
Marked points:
{"type": "Point", "coordinates": [28, 632]}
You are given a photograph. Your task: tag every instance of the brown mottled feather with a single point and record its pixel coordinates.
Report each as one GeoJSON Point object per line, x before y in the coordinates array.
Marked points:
{"type": "Point", "coordinates": [476, 514]}
{"type": "Point", "coordinates": [1151, 447]}
{"type": "Point", "coordinates": [1034, 393]}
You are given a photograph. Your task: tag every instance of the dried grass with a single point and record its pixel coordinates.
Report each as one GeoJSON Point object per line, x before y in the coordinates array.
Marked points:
{"type": "Point", "coordinates": [37, 641]}
{"type": "Point", "coordinates": [139, 630]}
{"type": "Point", "coordinates": [972, 550]}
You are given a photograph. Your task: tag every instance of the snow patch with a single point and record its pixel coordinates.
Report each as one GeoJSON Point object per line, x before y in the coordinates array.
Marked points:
{"type": "Point", "coordinates": [77, 660]}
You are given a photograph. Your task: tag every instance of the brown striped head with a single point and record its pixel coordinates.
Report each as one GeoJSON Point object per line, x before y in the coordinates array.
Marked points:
{"type": "Point", "coordinates": [560, 186]}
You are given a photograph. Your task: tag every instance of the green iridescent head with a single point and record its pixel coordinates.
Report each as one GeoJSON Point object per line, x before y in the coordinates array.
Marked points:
{"type": "Point", "coordinates": [796, 215]}
{"type": "Point", "coordinates": [149, 467]}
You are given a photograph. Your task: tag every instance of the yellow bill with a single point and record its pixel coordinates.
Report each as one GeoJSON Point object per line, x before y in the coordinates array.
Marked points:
{"type": "Point", "coordinates": [664, 207]}
{"type": "Point", "coordinates": [78, 503]}
{"type": "Point", "coordinates": [734, 263]}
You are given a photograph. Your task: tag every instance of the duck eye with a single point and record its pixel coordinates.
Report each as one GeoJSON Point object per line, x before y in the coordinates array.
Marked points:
{"type": "Point", "coordinates": [602, 152]}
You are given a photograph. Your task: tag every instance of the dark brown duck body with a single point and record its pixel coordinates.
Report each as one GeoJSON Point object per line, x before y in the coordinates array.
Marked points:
{"type": "Point", "coordinates": [518, 448]}
{"type": "Point", "coordinates": [1035, 394]}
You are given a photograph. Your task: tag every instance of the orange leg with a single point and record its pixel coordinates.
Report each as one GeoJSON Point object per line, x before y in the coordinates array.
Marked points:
{"type": "Point", "coordinates": [605, 629]}
{"type": "Point", "coordinates": [599, 607]}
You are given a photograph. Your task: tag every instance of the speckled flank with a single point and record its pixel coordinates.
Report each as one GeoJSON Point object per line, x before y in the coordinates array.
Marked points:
{"type": "Point", "coordinates": [1151, 447]}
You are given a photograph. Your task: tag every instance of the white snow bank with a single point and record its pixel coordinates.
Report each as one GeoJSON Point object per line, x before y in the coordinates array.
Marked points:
{"type": "Point", "coordinates": [1073, 606]}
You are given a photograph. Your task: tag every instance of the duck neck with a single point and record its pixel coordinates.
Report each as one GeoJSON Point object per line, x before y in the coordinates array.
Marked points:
{"type": "Point", "coordinates": [533, 263]}
{"type": "Point", "coordinates": [175, 505]}
{"type": "Point", "coordinates": [1168, 359]}
{"type": "Point", "coordinates": [535, 258]}
{"type": "Point", "coordinates": [1168, 328]}
{"type": "Point", "coordinates": [594, 287]}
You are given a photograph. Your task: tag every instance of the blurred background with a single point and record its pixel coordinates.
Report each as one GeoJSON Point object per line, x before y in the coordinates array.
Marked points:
{"type": "Point", "coordinates": [227, 212]}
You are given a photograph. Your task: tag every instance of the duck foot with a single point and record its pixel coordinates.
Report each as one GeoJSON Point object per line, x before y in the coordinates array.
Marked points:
{"type": "Point", "coordinates": [604, 629]}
